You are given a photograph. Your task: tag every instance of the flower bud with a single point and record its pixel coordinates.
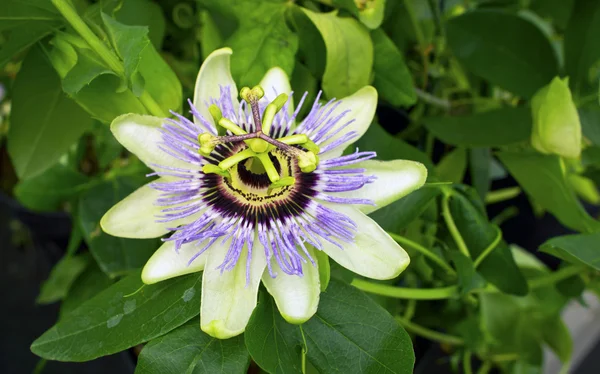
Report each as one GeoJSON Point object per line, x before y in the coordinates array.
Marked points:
{"type": "Point", "coordinates": [556, 125]}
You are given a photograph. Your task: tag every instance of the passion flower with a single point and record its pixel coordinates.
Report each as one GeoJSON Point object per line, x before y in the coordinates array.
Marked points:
{"type": "Point", "coordinates": [249, 193]}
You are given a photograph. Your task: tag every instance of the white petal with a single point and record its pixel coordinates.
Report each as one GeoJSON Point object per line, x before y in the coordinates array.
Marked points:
{"type": "Point", "coordinates": [227, 301]}
{"type": "Point", "coordinates": [296, 297]}
{"type": "Point", "coordinates": [167, 263]}
{"type": "Point", "coordinates": [274, 83]}
{"type": "Point", "coordinates": [214, 74]}
{"type": "Point", "coordinates": [373, 254]}
{"type": "Point", "coordinates": [134, 216]}
{"type": "Point", "coordinates": [395, 179]}
{"type": "Point", "coordinates": [362, 105]}
{"type": "Point", "coordinates": [141, 136]}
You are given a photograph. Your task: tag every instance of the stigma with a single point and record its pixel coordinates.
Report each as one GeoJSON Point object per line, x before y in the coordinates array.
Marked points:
{"type": "Point", "coordinates": [258, 144]}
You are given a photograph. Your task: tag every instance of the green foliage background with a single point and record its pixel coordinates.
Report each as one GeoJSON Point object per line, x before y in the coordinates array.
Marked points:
{"type": "Point", "coordinates": [458, 77]}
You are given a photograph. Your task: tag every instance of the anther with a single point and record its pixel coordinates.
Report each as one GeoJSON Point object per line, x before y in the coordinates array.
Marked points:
{"type": "Point", "coordinates": [233, 160]}
{"type": "Point", "coordinates": [215, 112]}
{"type": "Point", "coordinates": [307, 161]}
{"type": "Point", "coordinates": [271, 110]}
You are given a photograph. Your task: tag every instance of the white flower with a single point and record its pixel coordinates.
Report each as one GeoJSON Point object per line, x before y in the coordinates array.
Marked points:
{"type": "Point", "coordinates": [257, 202]}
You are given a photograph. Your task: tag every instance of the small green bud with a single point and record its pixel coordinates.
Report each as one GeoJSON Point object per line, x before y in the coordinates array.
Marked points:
{"type": "Point", "coordinates": [585, 188]}
{"type": "Point", "coordinates": [556, 125]}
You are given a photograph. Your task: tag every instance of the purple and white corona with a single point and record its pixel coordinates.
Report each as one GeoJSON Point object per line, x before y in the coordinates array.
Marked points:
{"type": "Point", "coordinates": [248, 192]}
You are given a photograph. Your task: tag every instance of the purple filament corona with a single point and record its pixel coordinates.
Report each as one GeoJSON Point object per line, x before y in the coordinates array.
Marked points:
{"type": "Point", "coordinates": [283, 222]}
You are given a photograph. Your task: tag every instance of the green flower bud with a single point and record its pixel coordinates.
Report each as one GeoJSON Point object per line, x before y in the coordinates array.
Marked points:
{"type": "Point", "coordinates": [585, 188]}
{"type": "Point", "coordinates": [556, 125]}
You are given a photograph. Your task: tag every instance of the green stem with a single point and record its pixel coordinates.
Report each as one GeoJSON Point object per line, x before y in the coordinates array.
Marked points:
{"type": "Point", "coordinates": [557, 276]}
{"type": "Point", "coordinates": [485, 368]}
{"type": "Point", "coordinates": [460, 242]}
{"type": "Point", "coordinates": [103, 51]}
{"type": "Point", "coordinates": [424, 251]}
{"type": "Point", "coordinates": [452, 291]}
{"type": "Point", "coordinates": [70, 14]}
{"type": "Point", "coordinates": [420, 38]}
{"type": "Point", "coordinates": [489, 248]}
{"type": "Point", "coordinates": [467, 362]}
{"type": "Point", "coordinates": [304, 350]}
{"type": "Point", "coordinates": [405, 293]}
{"type": "Point", "coordinates": [429, 334]}
{"type": "Point", "coordinates": [150, 104]}
{"type": "Point", "coordinates": [502, 195]}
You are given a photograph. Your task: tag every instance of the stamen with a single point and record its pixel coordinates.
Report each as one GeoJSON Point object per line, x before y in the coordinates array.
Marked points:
{"type": "Point", "coordinates": [294, 139]}
{"type": "Point", "coordinates": [229, 125]}
{"type": "Point", "coordinates": [272, 109]}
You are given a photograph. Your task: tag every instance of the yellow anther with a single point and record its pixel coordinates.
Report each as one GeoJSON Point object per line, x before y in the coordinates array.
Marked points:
{"type": "Point", "coordinates": [307, 161]}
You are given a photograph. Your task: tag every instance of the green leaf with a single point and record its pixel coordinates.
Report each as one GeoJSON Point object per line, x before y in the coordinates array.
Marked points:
{"type": "Point", "coordinates": [345, 40]}
{"type": "Point", "coordinates": [578, 249]}
{"type": "Point", "coordinates": [582, 48]}
{"type": "Point", "coordinates": [494, 128]}
{"type": "Point", "coordinates": [351, 333]}
{"type": "Point", "coordinates": [590, 123]}
{"type": "Point", "coordinates": [479, 161]}
{"type": "Point", "coordinates": [115, 256]}
{"type": "Point", "coordinates": [87, 285]}
{"type": "Point", "coordinates": [504, 49]}
{"type": "Point", "coordinates": [468, 278]}
{"type": "Point", "coordinates": [189, 350]}
{"type": "Point", "coordinates": [262, 41]}
{"type": "Point", "coordinates": [557, 335]}
{"type": "Point", "coordinates": [102, 101]}
{"type": "Point", "coordinates": [44, 122]}
{"type": "Point", "coordinates": [61, 278]}
{"type": "Point", "coordinates": [452, 166]}
{"type": "Point", "coordinates": [22, 37]}
{"type": "Point", "coordinates": [499, 267]}
{"type": "Point", "coordinates": [18, 12]}
{"type": "Point", "coordinates": [144, 13]}
{"type": "Point", "coordinates": [401, 213]}
{"type": "Point", "coordinates": [558, 10]}
{"type": "Point", "coordinates": [389, 147]}
{"type": "Point", "coordinates": [392, 78]}
{"type": "Point", "coordinates": [129, 42]}
{"type": "Point", "coordinates": [542, 177]}
{"type": "Point", "coordinates": [87, 68]}
{"type": "Point", "coordinates": [274, 344]}
{"type": "Point", "coordinates": [48, 190]}
{"type": "Point", "coordinates": [119, 318]}
{"type": "Point", "coordinates": [210, 37]}
{"type": "Point", "coordinates": [520, 324]}
{"type": "Point", "coordinates": [160, 81]}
